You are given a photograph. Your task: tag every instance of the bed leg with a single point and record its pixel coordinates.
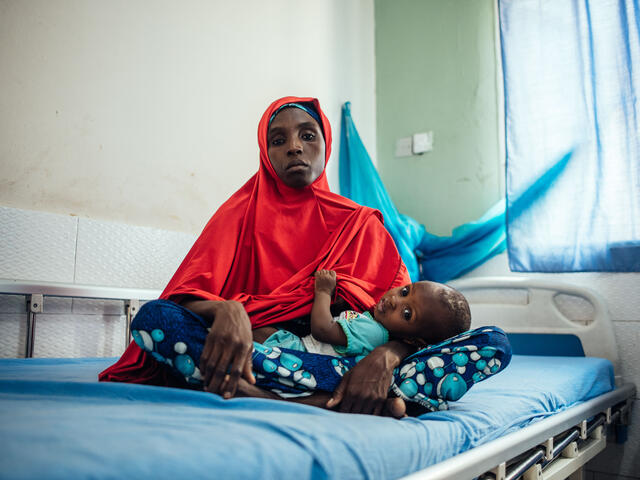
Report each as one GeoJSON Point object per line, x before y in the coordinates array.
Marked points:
{"type": "Point", "coordinates": [577, 475]}
{"type": "Point", "coordinates": [34, 306]}
{"type": "Point", "coordinates": [621, 424]}
{"type": "Point", "coordinates": [131, 307]}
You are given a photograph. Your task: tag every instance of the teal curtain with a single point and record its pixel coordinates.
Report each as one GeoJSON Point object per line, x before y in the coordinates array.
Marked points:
{"type": "Point", "coordinates": [427, 256]}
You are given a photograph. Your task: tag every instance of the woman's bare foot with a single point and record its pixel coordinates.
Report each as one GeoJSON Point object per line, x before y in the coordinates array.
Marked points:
{"type": "Point", "coordinates": [245, 389]}
{"type": "Point", "coordinates": [395, 407]}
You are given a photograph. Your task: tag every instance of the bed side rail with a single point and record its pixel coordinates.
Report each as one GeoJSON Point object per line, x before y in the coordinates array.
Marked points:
{"type": "Point", "coordinates": [37, 292]}
{"type": "Point", "coordinates": [527, 451]}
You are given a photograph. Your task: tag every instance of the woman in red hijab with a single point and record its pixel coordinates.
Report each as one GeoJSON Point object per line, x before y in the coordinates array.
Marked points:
{"type": "Point", "coordinates": [254, 262]}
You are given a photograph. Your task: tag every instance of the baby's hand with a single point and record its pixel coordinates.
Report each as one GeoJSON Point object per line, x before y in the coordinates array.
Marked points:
{"type": "Point", "coordinates": [325, 281]}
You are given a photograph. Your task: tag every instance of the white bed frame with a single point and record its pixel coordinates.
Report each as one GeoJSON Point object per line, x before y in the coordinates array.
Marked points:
{"type": "Point", "coordinates": [559, 446]}
{"type": "Point", "coordinates": [554, 448]}
{"type": "Point", "coordinates": [532, 307]}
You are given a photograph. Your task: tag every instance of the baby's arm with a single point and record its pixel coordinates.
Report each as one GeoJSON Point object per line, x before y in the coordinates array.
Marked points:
{"type": "Point", "coordinates": [323, 327]}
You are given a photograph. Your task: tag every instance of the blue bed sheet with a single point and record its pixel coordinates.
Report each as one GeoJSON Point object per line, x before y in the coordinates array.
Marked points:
{"type": "Point", "coordinates": [57, 421]}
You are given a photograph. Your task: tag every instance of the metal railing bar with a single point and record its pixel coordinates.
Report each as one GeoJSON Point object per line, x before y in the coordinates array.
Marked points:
{"type": "Point", "coordinates": [520, 470]}
{"type": "Point", "coordinates": [74, 290]}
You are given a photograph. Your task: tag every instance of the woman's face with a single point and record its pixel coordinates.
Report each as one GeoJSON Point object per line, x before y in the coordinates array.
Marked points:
{"type": "Point", "coordinates": [296, 147]}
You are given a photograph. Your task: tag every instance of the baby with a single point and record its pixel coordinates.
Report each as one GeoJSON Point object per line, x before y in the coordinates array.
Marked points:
{"type": "Point", "coordinates": [421, 313]}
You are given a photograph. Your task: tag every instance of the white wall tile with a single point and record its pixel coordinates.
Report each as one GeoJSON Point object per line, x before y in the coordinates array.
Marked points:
{"type": "Point", "coordinates": [56, 304]}
{"type": "Point", "coordinates": [13, 330]}
{"type": "Point", "coordinates": [620, 291]}
{"type": "Point", "coordinates": [95, 306]}
{"type": "Point", "coordinates": [112, 254]}
{"type": "Point", "coordinates": [79, 335]}
{"type": "Point", "coordinates": [37, 246]}
{"type": "Point", "coordinates": [628, 341]}
{"type": "Point", "coordinates": [13, 304]}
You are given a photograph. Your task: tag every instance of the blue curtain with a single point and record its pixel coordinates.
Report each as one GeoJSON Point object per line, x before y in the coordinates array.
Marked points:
{"type": "Point", "coordinates": [571, 80]}
{"type": "Point", "coordinates": [427, 256]}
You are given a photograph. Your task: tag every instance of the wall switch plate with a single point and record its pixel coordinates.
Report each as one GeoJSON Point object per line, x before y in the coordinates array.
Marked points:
{"type": "Point", "coordinates": [422, 142]}
{"type": "Point", "coordinates": [403, 147]}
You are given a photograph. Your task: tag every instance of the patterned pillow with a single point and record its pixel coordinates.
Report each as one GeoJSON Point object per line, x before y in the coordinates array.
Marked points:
{"type": "Point", "coordinates": [430, 377]}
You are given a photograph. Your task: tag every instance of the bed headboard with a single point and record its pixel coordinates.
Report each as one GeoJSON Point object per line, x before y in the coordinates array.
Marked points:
{"type": "Point", "coordinates": [521, 305]}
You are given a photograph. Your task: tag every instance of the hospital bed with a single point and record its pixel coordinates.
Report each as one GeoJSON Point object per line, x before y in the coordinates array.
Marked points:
{"type": "Point", "coordinates": [544, 416]}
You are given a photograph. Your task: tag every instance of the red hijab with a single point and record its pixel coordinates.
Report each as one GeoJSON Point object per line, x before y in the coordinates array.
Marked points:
{"type": "Point", "coordinates": [264, 243]}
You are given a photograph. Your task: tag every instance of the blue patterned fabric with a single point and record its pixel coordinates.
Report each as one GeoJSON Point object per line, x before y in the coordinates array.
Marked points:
{"type": "Point", "coordinates": [175, 336]}
{"type": "Point", "coordinates": [431, 377]}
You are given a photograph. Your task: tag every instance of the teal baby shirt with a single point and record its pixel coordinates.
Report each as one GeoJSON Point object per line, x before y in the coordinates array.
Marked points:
{"type": "Point", "coordinates": [362, 331]}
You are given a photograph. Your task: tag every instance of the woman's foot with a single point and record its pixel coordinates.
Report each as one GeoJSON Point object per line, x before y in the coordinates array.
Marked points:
{"type": "Point", "coordinates": [245, 389]}
{"type": "Point", "coordinates": [395, 407]}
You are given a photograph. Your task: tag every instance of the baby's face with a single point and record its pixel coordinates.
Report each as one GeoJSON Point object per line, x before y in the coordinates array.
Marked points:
{"type": "Point", "coordinates": [411, 310]}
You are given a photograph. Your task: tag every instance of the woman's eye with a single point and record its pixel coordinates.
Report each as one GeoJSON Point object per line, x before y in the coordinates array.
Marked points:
{"type": "Point", "coordinates": [308, 136]}
{"type": "Point", "coordinates": [406, 313]}
{"type": "Point", "coordinates": [277, 141]}
{"type": "Point", "coordinates": [405, 291]}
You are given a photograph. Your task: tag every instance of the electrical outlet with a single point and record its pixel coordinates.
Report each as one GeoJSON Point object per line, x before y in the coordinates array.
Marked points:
{"type": "Point", "coordinates": [422, 142]}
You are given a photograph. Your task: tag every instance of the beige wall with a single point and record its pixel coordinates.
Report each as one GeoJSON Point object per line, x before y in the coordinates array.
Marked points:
{"type": "Point", "coordinates": [146, 112]}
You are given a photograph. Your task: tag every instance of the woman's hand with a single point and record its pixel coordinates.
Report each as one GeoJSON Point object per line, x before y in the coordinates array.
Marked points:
{"type": "Point", "coordinates": [227, 350]}
{"type": "Point", "coordinates": [365, 387]}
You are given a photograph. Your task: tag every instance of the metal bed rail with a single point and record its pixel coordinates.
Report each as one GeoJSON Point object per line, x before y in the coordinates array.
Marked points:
{"type": "Point", "coordinates": [526, 452]}
{"type": "Point", "coordinates": [37, 291]}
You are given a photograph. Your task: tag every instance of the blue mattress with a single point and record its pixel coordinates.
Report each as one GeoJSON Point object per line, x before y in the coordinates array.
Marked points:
{"type": "Point", "coordinates": [57, 421]}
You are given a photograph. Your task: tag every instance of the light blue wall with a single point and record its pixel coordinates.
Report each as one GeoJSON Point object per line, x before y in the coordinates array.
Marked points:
{"type": "Point", "coordinates": [436, 70]}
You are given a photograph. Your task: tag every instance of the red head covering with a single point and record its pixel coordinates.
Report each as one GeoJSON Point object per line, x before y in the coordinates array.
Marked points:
{"type": "Point", "coordinates": [263, 245]}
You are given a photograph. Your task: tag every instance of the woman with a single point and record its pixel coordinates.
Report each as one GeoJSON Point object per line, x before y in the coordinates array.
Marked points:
{"type": "Point", "coordinates": [254, 262]}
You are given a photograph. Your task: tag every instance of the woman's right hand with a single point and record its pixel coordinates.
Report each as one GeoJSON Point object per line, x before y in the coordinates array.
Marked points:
{"type": "Point", "coordinates": [227, 350]}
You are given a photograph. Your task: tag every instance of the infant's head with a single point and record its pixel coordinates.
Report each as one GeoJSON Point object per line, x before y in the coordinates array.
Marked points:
{"type": "Point", "coordinates": [423, 313]}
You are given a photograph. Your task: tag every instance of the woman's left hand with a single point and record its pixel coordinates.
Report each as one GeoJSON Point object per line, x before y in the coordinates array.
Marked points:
{"type": "Point", "coordinates": [365, 387]}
